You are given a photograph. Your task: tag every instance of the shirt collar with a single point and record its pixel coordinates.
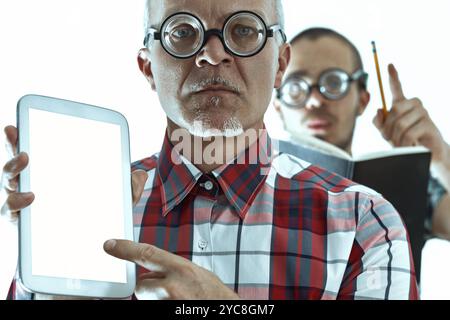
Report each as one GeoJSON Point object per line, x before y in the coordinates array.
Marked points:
{"type": "Point", "coordinates": [240, 179]}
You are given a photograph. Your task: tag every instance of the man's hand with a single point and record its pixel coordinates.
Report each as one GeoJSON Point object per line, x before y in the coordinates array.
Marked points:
{"type": "Point", "coordinates": [171, 276]}
{"type": "Point", "coordinates": [408, 123]}
{"type": "Point", "coordinates": [138, 180]}
{"type": "Point", "coordinates": [15, 201]}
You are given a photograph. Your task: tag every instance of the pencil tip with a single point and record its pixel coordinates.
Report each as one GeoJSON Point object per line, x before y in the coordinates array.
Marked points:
{"type": "Point", "coordinates": [374, 47]}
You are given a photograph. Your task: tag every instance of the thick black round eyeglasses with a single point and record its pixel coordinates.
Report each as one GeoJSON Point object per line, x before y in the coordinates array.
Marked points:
{"type": "Point", "coordinates": [333, 84]}
{"type": "Point", "coordinates": [183, 35]}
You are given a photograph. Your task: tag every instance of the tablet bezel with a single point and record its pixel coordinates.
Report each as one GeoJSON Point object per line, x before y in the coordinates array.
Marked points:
{"type": "Point", "coordinates": [65, 286]}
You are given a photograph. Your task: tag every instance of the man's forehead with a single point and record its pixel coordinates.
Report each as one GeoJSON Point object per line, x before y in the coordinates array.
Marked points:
{"type": "Point", "coordinates": [212, 11]}
{"type": "Point", "coordinates": [311, 57]}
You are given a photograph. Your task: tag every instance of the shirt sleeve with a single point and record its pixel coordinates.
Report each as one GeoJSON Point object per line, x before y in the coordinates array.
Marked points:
{"type": "Point", "coordinates": [436, 192]}
{"type": "Point", "coordinates": [12, 291]}
{"type": "Point", "coordinates": [17, 291]}
{"type": "Point", "coordinates": [380, 265]}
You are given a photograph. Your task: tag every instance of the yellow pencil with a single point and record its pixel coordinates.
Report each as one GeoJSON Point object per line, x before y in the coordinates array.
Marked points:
{"type": "Point", "coordinates": [380, 82]}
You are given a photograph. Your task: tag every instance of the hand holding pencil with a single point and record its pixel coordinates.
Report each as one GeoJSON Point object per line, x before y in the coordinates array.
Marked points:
{"type": "Point", "coordinates": [408, 122]}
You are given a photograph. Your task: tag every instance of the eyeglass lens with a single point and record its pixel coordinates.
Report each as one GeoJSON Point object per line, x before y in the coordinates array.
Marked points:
{"type": "Point", "coordinates": [334, 84]}
{"type": "Point", "coordinates": [244, 34]}
{"type": "Point", "coordinates": [182, 35]}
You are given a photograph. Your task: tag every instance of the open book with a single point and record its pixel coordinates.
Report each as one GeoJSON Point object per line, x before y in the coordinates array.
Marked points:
{"type": "Point", "coordinates": [401, 175]}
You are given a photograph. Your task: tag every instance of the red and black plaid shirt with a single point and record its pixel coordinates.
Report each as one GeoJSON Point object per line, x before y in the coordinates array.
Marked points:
{"type": "Point", "coordinates": [279, 228]}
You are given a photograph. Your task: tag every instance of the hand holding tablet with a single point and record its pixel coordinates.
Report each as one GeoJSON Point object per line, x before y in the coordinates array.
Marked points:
{"type": "Point", "coordinates": [79, 172]}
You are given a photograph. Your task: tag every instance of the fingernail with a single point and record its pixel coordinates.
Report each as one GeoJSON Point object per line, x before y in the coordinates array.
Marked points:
{"type": "Point", "coordinates": [109, 245]}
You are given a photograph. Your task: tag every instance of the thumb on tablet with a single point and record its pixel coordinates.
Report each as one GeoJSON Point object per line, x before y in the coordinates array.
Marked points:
{"type": "Point", "coordinates": [138, 180]}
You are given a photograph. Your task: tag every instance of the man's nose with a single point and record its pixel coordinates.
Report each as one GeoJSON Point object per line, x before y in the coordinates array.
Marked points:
{"type": "Point", "coordinates": [213, 53]}
{"type": "Point", "coordinates": [315, 100]}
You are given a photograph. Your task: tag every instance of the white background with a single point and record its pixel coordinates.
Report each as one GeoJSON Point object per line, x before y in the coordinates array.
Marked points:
{"type": "Point", "coordinates": [85, 50]}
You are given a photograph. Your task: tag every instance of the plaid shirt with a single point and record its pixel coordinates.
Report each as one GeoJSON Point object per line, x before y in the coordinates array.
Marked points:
{"type": "Point", "coordinates": [279, 228]}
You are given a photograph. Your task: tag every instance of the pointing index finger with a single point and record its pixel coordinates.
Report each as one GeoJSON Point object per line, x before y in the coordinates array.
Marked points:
{"type": "Point", "coordinates": [145, 255]}
{"type": "Point", "coordinates": [395, 84]}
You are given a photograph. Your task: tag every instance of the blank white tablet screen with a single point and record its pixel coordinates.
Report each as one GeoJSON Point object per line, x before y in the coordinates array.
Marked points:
{"type": "Point", "coordinates": [76, 175]}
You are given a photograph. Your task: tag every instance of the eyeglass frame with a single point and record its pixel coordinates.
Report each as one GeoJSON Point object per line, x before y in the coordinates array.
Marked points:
{"type": "Point", "coordinates": [359, 75]}
{"type": "Point", "coordinates": [270, 33]}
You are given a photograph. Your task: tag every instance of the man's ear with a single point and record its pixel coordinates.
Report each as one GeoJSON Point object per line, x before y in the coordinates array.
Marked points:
{"type": "Point", "coordinates": [145, 65]}
{"type": "Point", "coordinates": [364, 99]}
{"type": "Point", "coordinates": [283, 61]}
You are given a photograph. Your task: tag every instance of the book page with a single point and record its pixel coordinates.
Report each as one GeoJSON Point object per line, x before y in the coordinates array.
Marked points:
{"type": "Point", "coordinates": [309, 141]}
{"type": "Point", "coordinates": [314, 143]}
{"type": "Point", "coordinates": [390, 153]}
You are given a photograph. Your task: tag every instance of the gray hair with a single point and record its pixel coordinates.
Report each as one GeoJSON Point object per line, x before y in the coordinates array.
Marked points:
{"type": "Point", "coordinates": [280, 13]}
{"type": "Point", "coordinates": [278, 9]}
{"type": "Point", "coordinates": [147, 22]}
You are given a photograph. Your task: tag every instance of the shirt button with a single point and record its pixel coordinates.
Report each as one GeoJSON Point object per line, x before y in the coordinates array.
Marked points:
{"type": "Point", "coordinates": [209, 185]}
{"type": "Point", "coordinates": [202, 244]}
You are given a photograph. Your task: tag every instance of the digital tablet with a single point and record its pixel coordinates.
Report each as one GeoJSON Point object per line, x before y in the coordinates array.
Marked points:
{"type": "Point", "coordinates": [79, 171]}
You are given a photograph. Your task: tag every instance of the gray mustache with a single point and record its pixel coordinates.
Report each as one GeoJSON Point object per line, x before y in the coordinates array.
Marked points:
{"type": "Point", "coordinates": [215, 81]}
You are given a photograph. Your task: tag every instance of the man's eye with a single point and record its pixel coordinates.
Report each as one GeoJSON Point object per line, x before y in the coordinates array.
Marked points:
{"type": "Point", "coordinates": [244, 31]}
{"type": "Point", "coordinates": [183, 33]}
{"type": "Point", "coordinates": [334, 82]}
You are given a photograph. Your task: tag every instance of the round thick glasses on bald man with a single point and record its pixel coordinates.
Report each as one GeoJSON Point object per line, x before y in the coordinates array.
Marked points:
{"type": "Point", "coordinates": [183, 35]}
{"type": "Point", "coordinates": [333, 84]}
